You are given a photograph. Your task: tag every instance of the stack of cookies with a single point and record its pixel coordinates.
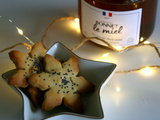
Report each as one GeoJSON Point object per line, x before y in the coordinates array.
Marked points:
{"type": "Point", "coordinates": [49, 82]}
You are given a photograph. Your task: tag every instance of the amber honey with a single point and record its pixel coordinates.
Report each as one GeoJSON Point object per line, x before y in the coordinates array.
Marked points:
{"type": "Point", "coordinates": [120, 22]}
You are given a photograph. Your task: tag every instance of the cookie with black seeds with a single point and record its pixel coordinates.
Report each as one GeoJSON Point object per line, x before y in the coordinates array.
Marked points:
{"type": "Point", "coordinates": [61, 83]}
{"type": "Point", "coordinates": [26, 64]}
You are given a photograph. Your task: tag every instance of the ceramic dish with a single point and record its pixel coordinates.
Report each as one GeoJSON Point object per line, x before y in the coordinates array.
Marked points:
{"type": "Point", "coordinates": [97, 72]}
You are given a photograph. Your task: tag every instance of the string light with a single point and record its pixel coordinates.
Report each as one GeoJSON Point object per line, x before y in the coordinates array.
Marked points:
{"type": "Point", "coordinates": [77, 20]}
{"type": "Point", "coordinates": [76, 25]}
{"type": "Point", "coordinates": [118, 89]}
{"type": "Point", "coordinates": [119, 48]}
{"type": "Point", "coordinates": [19, 31]}
{"type": "Point", "coordinates": [105, 58]}
{"type": "Point", "coordinates": [115, 48]}
{"type": "Point", "coordinates": [24, 44]}
{"type": "Point", "coordinates": [94, 2]}
{"type": "Point", "coordinates": [146, 42]}
{"type": "Point", "coordinates": [141, 39]}
{"type": "Point", "coordinates": [147, 71]}
{"type": "Point", "coordinates": [106, 55]}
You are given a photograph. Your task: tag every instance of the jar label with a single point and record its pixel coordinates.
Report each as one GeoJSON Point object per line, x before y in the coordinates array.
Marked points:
{"type": "Point", "coordinates": [119, 28]}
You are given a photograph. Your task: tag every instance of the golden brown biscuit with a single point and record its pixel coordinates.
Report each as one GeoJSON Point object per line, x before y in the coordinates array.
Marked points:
{"type": "Point", "coordinates": [62, 84]}
{"type": "Point", "coordinates": [26, 64]}
{"type": "Point", "coordinates": [36, 96]}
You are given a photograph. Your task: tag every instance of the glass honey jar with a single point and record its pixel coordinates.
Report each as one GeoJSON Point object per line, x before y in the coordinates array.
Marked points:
{"type": "Point", "coordinates": [119, 22]}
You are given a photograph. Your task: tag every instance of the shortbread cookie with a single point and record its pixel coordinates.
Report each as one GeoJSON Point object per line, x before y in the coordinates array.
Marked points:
{"type": "Point", "coordinates": [26, 64]}
{"type": "Point", "coordinates": [62, 84]}
{"type": "Point", "coordinates": [36, 96]}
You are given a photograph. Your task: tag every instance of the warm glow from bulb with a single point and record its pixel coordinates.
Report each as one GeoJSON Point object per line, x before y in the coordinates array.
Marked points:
{"type": "Point", "coordinates": [106, 55]}
{"type": "Point", "coordinates": [119, 48]}
{"type": "Point", "coordinates": [106, 58]}
{"type": "Point", "coordinates": [20, 31]}
{"type": "Point", "coordinates": [141, 39]}
{"type": "Point", "coordinates": [146, 42]}
{"type": "Point", "coordinates": [77, 20]}
{"type": "Point", "coordinates": [118, 89]}
{"type": "Point", "coordinates": [147, 71]}
{"type": "Point", "coordinates": [94, 2]}
{"type": "Point", "coordinates": [76, 25]}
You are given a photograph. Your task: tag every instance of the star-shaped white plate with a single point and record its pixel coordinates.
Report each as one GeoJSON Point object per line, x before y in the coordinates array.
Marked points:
{"type": "Point", "coordinates": [96, 72]}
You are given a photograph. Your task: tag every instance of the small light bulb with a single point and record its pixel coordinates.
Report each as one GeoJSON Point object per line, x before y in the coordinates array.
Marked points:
{"type": "Point", "coordinates": [94, 2]}
{"type": "Point", "coordinates": [146, 42]}
{"type": "Point", "coordinates": [106, 55]}
{"type": "Point", "coordinates": [147, 71]}
{"type": "Point", "coordinates": [141, 39]}
{"type": "Point", "coordinates": [119, 48]}
{"type": "Point", "coordinates": [77, 20]}
{"type": "Point", "coordinates": [20, 31]}
{"type": "Point", "coordinates": [76, 25]}
{"type": "Point", "coordinates": [118, 89]}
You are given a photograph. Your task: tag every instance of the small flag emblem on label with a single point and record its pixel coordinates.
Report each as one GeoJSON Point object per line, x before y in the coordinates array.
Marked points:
{"type": "Point", "coordinates": [110, 14]}
{"type": "Point", "coordinates": [104, 13]}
